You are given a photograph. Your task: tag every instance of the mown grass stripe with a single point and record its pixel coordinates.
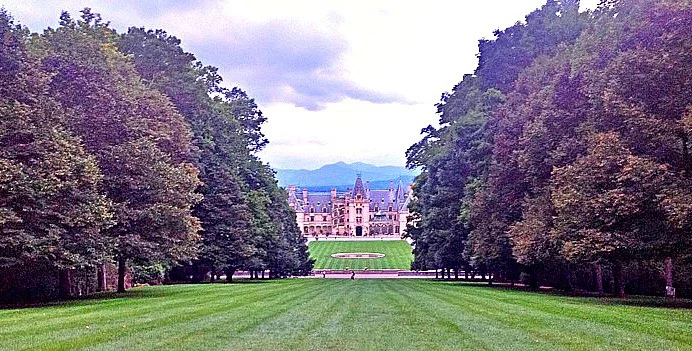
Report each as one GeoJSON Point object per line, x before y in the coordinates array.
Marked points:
{"type": "Point", "coordinates": [397, 254]}
{"type": "Point", "coordinates": [330, 314]}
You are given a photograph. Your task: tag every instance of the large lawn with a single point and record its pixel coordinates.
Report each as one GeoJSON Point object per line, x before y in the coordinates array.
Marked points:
{"type": "Point", "coordinates": [336, 314]}
{"type": "Point", "coordinates": [397, 254]}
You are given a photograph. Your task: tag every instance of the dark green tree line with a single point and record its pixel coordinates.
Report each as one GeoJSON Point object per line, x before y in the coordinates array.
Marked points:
{"type": "Point", "coordinates": [587, 158]}
{"type": "Point", "coordinates": [246, 224]}
{"type": "Point", "coordinates": [123, 148]}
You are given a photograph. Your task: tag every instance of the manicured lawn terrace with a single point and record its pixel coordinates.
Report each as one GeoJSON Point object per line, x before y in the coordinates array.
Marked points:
{"type": "Point", "coordinates": [397, 254]}
{"type": "Point", "coordinates": [342, 314]}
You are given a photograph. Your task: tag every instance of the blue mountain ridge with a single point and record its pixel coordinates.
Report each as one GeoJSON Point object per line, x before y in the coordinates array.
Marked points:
{"type": "Point", "coordinates": [342, 175]}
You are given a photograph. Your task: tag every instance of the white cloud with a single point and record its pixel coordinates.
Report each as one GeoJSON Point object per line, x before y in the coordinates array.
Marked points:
{"type": "Point", "coordinates": [351, 131]}
{"type": "Point", "coordinates": [370, 71]}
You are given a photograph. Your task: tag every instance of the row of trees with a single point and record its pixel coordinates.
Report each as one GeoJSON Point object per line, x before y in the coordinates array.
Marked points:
{"type": "Point", "coordinates": [124, 148]}
{"type": "Point", "coordinates": [565, 156]}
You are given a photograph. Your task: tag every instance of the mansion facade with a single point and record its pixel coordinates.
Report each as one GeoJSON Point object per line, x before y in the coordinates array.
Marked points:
{"type": "Point", "coordinates": [357, 212]}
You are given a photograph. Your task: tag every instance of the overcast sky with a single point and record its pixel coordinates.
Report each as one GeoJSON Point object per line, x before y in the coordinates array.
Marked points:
{"type": "Point", "coordinates": [338, 80]}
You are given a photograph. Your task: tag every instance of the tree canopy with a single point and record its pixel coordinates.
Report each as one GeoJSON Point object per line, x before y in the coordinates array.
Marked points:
{"type": "Point", "coordinates": [567, 148]}
{"type": "Point", "coordinates": [122, 148]}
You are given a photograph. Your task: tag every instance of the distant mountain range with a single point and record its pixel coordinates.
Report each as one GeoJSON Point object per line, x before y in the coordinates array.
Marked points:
{"type": "Point", "coordinates": [343, 175]}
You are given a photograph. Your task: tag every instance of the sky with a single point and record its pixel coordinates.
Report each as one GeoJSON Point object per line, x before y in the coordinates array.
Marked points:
{"type": "Point", "coordinates": [351, 81]}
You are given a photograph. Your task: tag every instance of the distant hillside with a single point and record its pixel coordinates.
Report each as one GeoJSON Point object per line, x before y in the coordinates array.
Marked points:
{"type": "Point", "coordinates": [342, 175]}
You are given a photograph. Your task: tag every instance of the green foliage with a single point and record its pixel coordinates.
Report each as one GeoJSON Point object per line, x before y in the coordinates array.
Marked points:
{"type": "Point", "coordinates": [108, 144]}
{"type": "Point", "coordinates": [141, 142]}
{"type": "Point", "coordinates": [585, 159]}
{"type": "Point", "coordinates": [51, 207]}
{"type": "Point", "coordinates": [246, 220]}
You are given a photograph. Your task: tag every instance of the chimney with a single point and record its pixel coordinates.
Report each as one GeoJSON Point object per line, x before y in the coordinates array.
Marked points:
{"type": "Point", "coordinates": [305, 196]}
{"type": "Point", "coordinates": [333, 194]}
{"type": "Point", "coordinates": [291, 190]}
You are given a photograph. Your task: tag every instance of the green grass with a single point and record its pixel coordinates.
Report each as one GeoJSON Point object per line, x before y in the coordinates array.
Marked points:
{"type": "Point", "coordinates": [397, 254]}
{"type": "Point", "coordinates": [341, 314]}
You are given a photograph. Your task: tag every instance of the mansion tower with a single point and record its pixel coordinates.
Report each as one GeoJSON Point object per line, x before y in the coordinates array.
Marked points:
{"type": "Point", "coordinates": [357, 212]}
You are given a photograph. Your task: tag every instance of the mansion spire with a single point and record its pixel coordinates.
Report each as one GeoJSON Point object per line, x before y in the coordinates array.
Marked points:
{"type": "Point", "coordinates": [358, 212]}
{"type": "Point", "coordinates": [359, 189]}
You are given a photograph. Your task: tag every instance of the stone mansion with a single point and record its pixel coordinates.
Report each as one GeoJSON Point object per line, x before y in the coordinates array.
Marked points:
{"type": "Point", "coordinates": [357, 212]}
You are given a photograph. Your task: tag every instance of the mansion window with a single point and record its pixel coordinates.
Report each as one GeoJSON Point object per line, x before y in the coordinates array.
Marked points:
{"type": "Point", "coordinates": [324, 209]}
{"type": "Point", "coordinates": [312, 210]}
{"type": "Point", "coordinates": [312, 218]}
{"type": "Point", "coordinates": [390, 208]}
{"type": "Point", "coordinates": [359, 219]}
{"type": "Point", "coordinates": [359, 210]}
{"type": "Point", "coordinates": [396, 229]}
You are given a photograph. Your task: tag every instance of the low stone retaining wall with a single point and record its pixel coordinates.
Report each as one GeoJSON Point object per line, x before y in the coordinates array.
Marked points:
{"type": "Point", "coordinates": [358, 271]}
{"type": "Point", "coordinates": [417, 274]}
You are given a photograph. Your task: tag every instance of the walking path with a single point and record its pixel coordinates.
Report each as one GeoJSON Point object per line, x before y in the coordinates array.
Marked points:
{"type": "Point", "coordinates": [381, 274]}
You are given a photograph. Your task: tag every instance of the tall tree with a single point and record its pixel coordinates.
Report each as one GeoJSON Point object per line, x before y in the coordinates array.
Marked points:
{"type": "Point", "coordinates": [51, 210]}
{"type": "Point", "coordinates": [245, 225]}
{"type": "Point", "coordinates": [606, 204]}
{"type": "Point", "coordinates": [142, 144]}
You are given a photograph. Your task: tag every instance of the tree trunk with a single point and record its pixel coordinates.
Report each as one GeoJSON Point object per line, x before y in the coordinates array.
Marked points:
{"type": "Point", "coordinates": [121, 274]}
{"type": "Point", "coordinates": [533, 278]}
{"type": "Point", "coordinates": [670, 290]}
{"type": "Point", "coordinates": [685, 152]}
{"type": "Point", "coordinates": [598, 276]}
{"type": "Point", "coordinates": [436, 274]}
{"type": "Point", "coordinates": [618, 280]}
{"type": "Point", "coordinates": [229, 275]}
{"type": "Point", "coordinates": [263, 274]}
{"type": "Point", "coordinates": [101, 278]}
{"type": "Point", "coordinates": [490, 277]}
{"type": "Point", "coordinates": [569, 280]}
{"type": "Point", "coordinates": [65, 283]}
{"type": "Point", "coordinates": [456, 273]}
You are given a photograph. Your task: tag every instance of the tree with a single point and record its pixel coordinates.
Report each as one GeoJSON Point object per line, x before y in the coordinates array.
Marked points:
{"type": "Point", "coordinates": [51, 209]}
{"type": "Point", "coordinates": [452, 158]}
{"type": "Point", "coordinates": [244, 215]}
{"type": "Point", "coordinates": [141, 143]}
{"type": "Point", "coordinates": [606, 204]}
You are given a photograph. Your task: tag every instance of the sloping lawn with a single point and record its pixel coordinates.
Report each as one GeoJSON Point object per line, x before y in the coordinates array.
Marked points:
{"type": "Point", "coordinates": [342, 314]}
{"type": "Point", "coordinates": [397, 254]}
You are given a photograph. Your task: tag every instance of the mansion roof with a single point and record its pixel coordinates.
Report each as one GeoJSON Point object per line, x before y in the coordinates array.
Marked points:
{"type": "Point", "coordinates": [377, 199]}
